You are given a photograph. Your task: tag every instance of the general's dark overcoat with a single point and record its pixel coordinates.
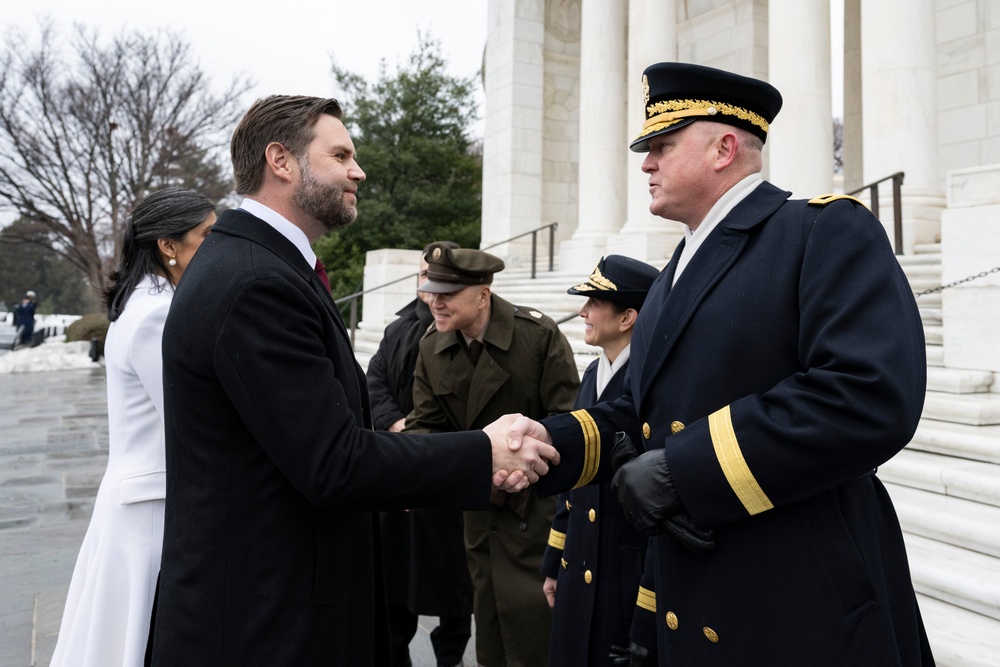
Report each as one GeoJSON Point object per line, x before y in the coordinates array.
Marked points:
{"type": "Point", "coordinates": [424, 550]}
{"type": "Point", "coordinates": [596, 558]}
{"type": "Point", "coordinates": [271, 548]}
{"type": "Point", "coordinates": [526, 366]}
{"type": "Point", "coordinates": [782, 368]}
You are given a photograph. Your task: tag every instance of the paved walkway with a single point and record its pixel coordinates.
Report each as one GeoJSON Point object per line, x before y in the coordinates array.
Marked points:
{"type": "Point", "coordinates": [53, 450]}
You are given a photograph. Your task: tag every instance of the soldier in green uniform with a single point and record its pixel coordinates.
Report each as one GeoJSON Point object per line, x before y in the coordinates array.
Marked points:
{"type": "Point", "coordinates": [482, 358]}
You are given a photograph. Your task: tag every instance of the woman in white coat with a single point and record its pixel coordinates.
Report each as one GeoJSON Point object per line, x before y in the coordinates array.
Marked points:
{"type": "Point", "coordinates": [106, 619]}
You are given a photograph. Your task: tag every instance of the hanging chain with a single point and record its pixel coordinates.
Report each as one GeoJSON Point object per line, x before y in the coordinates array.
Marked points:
{"type": "Point", "coordinates": [983, 274]}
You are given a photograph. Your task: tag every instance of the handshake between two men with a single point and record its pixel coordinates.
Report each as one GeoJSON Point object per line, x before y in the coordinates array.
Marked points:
{"type": "Point", "coordinates": [523, 451]}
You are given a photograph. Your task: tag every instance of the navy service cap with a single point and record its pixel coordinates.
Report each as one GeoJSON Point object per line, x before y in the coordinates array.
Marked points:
{"type": "Point", "coordinates": [619, 279]}
{"type": "Point", "coordinates": [677, 94]}
{"type": "Point", "coordinates": [452, 269]}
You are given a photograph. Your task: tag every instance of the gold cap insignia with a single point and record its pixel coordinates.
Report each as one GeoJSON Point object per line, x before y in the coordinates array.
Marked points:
{"type": "Point", "coordinates": [598, 279]}
{"type": "Point", "coordinates": [645, 90]}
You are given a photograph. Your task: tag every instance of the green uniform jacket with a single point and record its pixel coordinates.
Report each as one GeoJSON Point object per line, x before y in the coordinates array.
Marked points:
{"type": "Point", "coordinates": [526, 366]}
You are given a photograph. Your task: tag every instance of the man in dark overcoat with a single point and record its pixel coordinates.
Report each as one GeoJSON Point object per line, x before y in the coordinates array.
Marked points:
{"type": "Point", "coordinates": [778, 361]}
{"type": "Point", "coordinates": [484, 357]}
{"type": "Point", "coordinates": [271, 551]}
{"type": "Point", "coordinates": [424, 549]}
{"type": "Point", "coordinates": [594, 560]}
{"type": "Point", "coordinates": [24, 319]}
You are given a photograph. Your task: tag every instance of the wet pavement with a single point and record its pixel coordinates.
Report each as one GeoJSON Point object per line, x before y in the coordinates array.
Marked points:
{"type": "Point", "coordinates": [53, 451]}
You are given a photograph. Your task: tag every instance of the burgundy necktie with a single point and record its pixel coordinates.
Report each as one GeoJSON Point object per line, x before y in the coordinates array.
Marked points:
{"type": "Point", "coordinates": [321, 272]}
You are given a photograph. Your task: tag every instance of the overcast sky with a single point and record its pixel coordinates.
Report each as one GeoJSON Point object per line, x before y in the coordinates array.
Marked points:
{"type": "Point", "coordinates": [286, 47]}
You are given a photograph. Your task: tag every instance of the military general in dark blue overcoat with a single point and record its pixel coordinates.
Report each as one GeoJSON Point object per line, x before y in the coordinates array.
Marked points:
{"type": "Point", "coordinates": [778, 361]}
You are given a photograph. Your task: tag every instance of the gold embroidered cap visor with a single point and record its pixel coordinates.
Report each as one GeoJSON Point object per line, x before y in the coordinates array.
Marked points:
{"type": "Point", "coordinates": [677, 94]}
{"type": "Point", "coordinates": [619, 279]}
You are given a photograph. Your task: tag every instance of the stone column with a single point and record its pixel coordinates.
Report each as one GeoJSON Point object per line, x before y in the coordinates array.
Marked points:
{"type": "Point", "coordinates": [853, 103]}
{"type": "Point", "coordinates": [900, 112]}
{"type": "Point", "coordinates": [801, 140]}
{"type": "Point", "coordinates": [970, 244]}
{"type": "Point", "coordinates": [652, 38]}
{"type": "Point", "coordinates": [386, 266]}
{"type": "Point", "coordinates": [602, 133]}
{"type": "Point", "coordinates": [512, 141]}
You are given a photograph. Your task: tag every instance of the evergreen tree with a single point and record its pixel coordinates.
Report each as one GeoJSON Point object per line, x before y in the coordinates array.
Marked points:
{"type": "Point", "coordinates": [412, 134]}
{"type": "Point", "coordinates": [27, 261]}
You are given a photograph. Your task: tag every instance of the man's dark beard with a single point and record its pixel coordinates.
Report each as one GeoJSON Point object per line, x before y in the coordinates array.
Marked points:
{"type": "Point", "coordinates": [323, 202]}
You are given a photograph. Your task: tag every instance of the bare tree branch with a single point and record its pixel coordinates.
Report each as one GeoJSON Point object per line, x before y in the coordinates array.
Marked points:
{"type": "Point", "coordinates": [89, 126]}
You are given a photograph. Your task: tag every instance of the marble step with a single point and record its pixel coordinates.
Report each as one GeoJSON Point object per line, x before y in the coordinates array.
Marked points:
{"type": "Point", "coordinates": [924, 280]}
{"type": "Point", "coordinates": [976, 443]}
{"type": "Point", "coordinates": [975, 409]}
{"type": "Point", "coordinates": [959, 577]}
{"type": "Point", "coordinates": [926, 248]}
{"type": "Point", "coordinates": [922, 270]}
{"type": "Point", "coordinates": [932, 257]}
{"type": "Point", "coordinates": [961, 523]}
{"type": "Point", "coordinates": [958, 637]}
{"type": "Point", "coordinates": [930, 314]}
{"type": "Point", "coordinates": [959, 380]}
{"type": "Point", "coordinates": [959, 478]}
{"type": "Point", "coordinates": [933, 334]}
{"type": "Point", "coordinates": [935, 355]}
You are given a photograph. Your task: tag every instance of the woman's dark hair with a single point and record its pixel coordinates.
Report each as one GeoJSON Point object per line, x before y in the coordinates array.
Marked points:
{"type": "Point", "coordinates": [169, 213]}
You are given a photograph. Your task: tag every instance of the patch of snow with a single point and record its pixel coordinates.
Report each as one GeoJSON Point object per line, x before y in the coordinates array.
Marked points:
{"type": "Point", "coordinates": [52, 355]}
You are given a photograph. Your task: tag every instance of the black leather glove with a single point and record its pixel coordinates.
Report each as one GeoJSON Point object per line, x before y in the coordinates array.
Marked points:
{"type": "Point", "coordinates": [679, 526]}
{"type": "Point", "coordinates": [622, 451]}
{"type": "Point", "coordinates": [633, 656]}
{"type": "Point", "coordinates": [646, 492]}
{"type": "Point", "coordinates": [683, 532]}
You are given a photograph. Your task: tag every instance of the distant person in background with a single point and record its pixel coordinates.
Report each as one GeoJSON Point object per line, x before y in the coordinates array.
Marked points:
{"type": "Point", "coordinates": [24, 318]}
{"type": "Point", "coordinates": [106, 620]}
{"type": "Point", "coordinates": [423, 549]}
{"type": "Point", "coordinates": [594, 561]}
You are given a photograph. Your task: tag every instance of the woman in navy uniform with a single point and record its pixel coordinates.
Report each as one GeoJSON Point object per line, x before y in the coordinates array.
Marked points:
{"type": "Point", "coordinates": [594, 559]}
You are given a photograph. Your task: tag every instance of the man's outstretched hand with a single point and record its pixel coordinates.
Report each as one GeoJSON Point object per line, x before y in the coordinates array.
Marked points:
{"type": "Point", "coordinates": [522, 451]}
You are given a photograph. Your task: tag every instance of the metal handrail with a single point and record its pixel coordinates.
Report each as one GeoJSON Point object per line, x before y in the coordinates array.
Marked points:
{"type": "Point", "coordinates": [534, 245]}
{"type": "Point", "coordinates": [353, 298]}
{"type": "Point", "coordinates": [897, 205]}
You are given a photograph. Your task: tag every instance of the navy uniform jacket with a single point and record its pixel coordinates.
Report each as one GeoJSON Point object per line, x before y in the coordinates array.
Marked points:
{"type": "Point", "coordinates": [596, 558]}
{"type": "Point", "coordinates": [271, 548]}
{"type": "Point", "coordinates": [783, 367]}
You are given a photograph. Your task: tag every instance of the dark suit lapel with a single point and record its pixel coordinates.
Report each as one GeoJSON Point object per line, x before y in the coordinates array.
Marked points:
{"type": "Point", "coordinates": [709, 264]}
{"type": "Point", "coordinates": [238, 222]}
{"type": "Point", "coordinates": [645, 346]}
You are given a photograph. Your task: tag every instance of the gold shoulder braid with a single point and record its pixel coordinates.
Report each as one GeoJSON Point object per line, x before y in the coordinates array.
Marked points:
{"type": "Point", "coordinates": [823, 200]}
